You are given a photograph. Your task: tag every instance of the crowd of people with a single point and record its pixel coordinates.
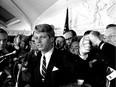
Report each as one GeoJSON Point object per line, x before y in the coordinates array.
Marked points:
{"type": "Point", "coordinates": [46, 60]}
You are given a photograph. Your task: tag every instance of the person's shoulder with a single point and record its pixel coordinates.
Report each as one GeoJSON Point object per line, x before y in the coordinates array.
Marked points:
{"type": "Point", "coordinates": [108, 46]}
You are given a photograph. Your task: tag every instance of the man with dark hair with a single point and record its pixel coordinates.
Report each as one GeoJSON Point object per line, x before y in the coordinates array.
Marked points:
{"type": "Point", "coordinates": [110, 52]}
{"type": "Point", "coordinates": [4, 61]}
{"type": "Point", "coordinates": [69, 35]}
{"type": "Point", "coordinates": [3, 42]}
{"type": "Point", "coordinates": [3, 38]}
{"type": "Point", "coordinates": [60, 42]}
{"type": "Point", "coordinates": [52, 67]}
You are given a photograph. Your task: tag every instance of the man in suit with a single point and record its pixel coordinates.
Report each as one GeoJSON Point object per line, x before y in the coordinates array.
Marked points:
{"type": "Point", "coordinates": [95, 61]}
{"type": "Point", "coordinates": [5, 62]}
{"type": "Point", "coordinates": [109, 51]}
{"type": "Point", "coordinates": [59, 67]}
{"type": "Point", "coordinates": [3, 50]}
{"type": "Point", "coordinates": [69, 35]}
{"type": "Point", "coordinates": [106, 48]}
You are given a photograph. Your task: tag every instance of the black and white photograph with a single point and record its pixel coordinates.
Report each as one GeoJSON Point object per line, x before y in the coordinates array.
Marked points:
{"type": "Point", "coordinates": [57, 43]}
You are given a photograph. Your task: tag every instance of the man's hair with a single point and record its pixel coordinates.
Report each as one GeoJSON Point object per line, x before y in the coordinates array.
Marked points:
{"type": "Point", "coordinates": [45, 28]}
{"type": "Point", "coordinates": [75, 39]}
{"type": "Point", "coordinates": [72, 31]}
{"type": "Point", "coordinates": [87, 32]}
{"type": "Point", "coordinates": [3, 31]}
{"type": "Point", "coordinates": [60, 37]}
{"type": "Point", "coordinates": [110, 25]}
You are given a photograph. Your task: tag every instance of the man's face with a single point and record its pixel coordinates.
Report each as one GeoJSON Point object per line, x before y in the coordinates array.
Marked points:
{"type": "Point", "coordinates": [3, 40]}
{"type": "Point", "coordinates": [16, 42]}
{"type": "Point", "coordinates": [110, 35]}
{"type": "Point", "coordinates": [22, 45]}
{"type": "Point", "coordinates": [43, 41]}
{"type": "Point", "coordinates": [60, 42]}
{"type": "Point", "coordinates": [68, 37]}
{"type": "Point", "coordinates": [33, 45]}
{"type": "Point", "coordinates": [74, 47]}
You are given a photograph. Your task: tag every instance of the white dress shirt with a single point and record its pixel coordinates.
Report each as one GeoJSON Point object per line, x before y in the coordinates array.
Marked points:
{"type": "Point", "coordinates": [48, 57]}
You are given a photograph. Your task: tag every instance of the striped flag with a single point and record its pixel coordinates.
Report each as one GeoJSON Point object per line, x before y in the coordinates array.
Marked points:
{"type": "Point", "coordinates": [66, 26]}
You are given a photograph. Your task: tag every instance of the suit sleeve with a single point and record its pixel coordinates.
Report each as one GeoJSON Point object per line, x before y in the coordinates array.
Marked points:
{"type": "Point", "coordinates": [110, 52]}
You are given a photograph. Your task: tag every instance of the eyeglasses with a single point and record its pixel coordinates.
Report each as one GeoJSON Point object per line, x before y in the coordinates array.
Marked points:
{"type": "Point", "coordinates": [70, 38]}
{"type": "Point", "coordinates": [74, 48]}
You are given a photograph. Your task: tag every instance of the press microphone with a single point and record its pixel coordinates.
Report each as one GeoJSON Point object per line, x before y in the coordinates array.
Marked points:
{"type": "Point", "coordinates": [23, 56]}
{"type": "Point", "coordinates": [8, 54]}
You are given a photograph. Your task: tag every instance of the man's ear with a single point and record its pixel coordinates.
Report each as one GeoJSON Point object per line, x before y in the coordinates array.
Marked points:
{"type": "Point", "coordinates": [52, 39]}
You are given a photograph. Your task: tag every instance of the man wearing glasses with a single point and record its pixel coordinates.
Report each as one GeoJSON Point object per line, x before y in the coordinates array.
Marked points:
{"type": "Point", "coordinates": [69, 35]}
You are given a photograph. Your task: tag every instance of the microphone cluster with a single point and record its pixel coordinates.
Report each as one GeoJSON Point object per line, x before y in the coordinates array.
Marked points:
{"type": "Point", "coordinates": [21, 58]}
{"type": "Point", "coordinates": [14, 52]}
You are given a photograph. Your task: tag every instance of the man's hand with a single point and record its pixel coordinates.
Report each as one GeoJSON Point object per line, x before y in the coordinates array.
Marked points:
{"type": "Point", "coordinates": [85, 46]}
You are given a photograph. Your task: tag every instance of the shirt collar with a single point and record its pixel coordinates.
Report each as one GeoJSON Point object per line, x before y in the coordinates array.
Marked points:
{"type": "Point", "coordinates": [49, 53]}
{"type": "Point", "coordinates": [48, 56]}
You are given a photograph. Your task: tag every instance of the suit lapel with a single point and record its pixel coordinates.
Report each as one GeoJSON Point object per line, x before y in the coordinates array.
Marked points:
{"type": "Point", "coordinates": [51, 63]}
{"type": "Point", "coordinates": [37, 65]}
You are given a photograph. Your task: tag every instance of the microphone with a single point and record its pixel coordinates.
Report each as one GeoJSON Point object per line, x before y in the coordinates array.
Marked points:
{"type": "Point", "coordinates": [8, 54]}
{"type": "Point", "coordinates": [22, 57]}
{"type": "Point", "coordinates": [26, 54]}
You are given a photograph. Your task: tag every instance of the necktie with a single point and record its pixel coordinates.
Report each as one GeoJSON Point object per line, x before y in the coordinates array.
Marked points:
{"type": "Point", "coordinates": [44, 67]}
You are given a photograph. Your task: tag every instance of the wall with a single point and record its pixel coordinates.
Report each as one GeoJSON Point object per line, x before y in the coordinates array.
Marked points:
{"type": "Point", "coordinates": [83, 15]}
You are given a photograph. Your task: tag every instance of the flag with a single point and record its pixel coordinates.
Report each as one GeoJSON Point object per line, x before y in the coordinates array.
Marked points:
{"type": "Point", "coordinates": [66, 26]}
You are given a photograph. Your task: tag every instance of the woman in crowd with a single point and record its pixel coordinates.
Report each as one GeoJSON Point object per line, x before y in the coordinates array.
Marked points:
{"type": "Point", "coordinates": [74, 46]}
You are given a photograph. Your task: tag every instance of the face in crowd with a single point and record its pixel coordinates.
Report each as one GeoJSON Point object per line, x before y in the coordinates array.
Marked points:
{"type": "Point", "coordinates": [74, 47]}
{"type": "Point", "coordinates": [3, 40]}
{"type": "Point", "coordinates": [69, 36]}
{"type": "Point", "coordinates": [59, 42]}
{"type": "Point", "coordinates": [43, 37]}
{"type": "Point", "coordinates": [19, 42]}
{"type": "Point", "coordinates": [33, 45]}
{"type": "Point", "coordinates": [110, 35]}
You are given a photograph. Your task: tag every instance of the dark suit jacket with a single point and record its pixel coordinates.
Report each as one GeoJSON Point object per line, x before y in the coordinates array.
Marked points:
{"type": "Point", "coordinates": [68, 69]}
{"type": "Point", "coordinates": [97, 74]}
{"type": "Point", "coordinates": [110, 52]}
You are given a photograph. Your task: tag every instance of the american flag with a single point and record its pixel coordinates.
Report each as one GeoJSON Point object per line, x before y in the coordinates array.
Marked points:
{"type": "Point", "coordinates": [66, 26]}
